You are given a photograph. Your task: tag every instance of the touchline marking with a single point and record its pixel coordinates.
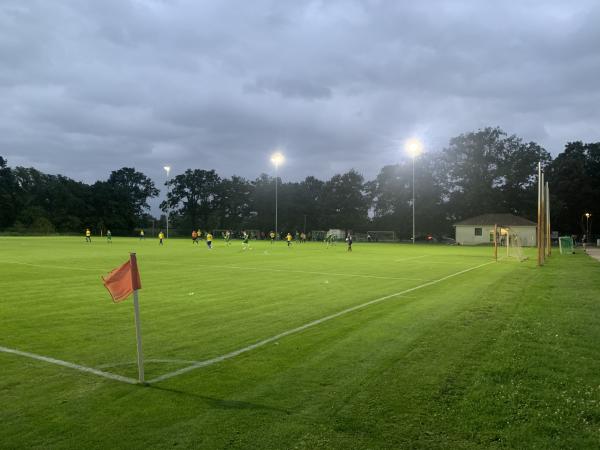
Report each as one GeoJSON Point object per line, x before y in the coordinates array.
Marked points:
{"type": "Point", "coordinates": [266, 341]}
{"type": "Point", "coordinates": [50, 266]}
{"type": "Point", "coordinates": [60, 362]}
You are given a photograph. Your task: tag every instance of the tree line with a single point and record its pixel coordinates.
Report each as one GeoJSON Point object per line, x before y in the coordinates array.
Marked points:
{"type": "Point", "coordinates": [485, 171]}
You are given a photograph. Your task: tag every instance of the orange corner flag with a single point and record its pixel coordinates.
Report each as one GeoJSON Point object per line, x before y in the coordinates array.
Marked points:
{"type": "Point", "coordinates": [123, 280]}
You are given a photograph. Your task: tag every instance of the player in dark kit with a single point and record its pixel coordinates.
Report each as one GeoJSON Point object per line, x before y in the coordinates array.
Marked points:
{"type": "Point", "coordinates": [349, 241]}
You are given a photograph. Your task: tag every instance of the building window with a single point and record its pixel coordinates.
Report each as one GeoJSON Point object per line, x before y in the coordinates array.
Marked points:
{"type": "Point", "coordinates": [478, 232]}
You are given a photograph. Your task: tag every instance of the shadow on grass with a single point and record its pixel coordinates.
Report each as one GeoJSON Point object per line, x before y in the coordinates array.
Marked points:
{"type": "Point", "coordinates": [218, 403]}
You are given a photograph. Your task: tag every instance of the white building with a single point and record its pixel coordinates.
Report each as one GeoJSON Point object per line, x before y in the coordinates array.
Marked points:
{"type": "Point", "coordinates": [480, 229]}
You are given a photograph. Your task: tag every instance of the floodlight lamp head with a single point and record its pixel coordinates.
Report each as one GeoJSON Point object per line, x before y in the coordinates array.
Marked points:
{"type": "Point", "coordinates": [277, 158]}
{"type": "Point", "coordinates": [168, 169]}
{"type": "Point", "coordinates": [588, 215]}
{"type": "Point", "coordinates": [414, 147]}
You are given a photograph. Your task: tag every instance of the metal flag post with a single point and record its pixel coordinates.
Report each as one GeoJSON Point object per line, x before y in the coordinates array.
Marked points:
{"type": "Point", "coordinates": [138, 323]}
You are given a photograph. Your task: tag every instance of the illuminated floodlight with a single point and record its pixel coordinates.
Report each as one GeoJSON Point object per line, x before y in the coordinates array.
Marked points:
{"type": "Point", "coordinates": [277, 159]}
{"type": "Point", "coordinates": [414, 147]}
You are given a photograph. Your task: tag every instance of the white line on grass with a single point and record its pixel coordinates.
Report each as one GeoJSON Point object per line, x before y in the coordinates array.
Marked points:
{"type": "Point", "coordinates": [50, 266]}
{"type": "Point", "coordinates": [79, 367]}
{"type": "Point", "coordinates": [235, 353]}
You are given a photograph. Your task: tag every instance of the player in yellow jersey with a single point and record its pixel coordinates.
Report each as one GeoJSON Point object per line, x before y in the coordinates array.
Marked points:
{"type": "Point", "coordinates": [272, 236]}
{"type": "Point", "coordinates": [209, 238]}
{"type": "Point", "coordinates": [161, 236]}
{"type": "Point", "coordinates": [88, 235]}
{"type": "Point", "coordinates": [289, 239]}
{"type": "Point", "coordinates": [142, 235]}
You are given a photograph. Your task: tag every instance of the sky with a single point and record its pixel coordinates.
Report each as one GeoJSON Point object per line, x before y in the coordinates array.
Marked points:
{"type": "Point", "coordinates": [87, 87]}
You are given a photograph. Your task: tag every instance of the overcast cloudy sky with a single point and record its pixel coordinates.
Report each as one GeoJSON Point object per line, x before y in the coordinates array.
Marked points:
{"type": "Point", "coordinates": [87, 87]}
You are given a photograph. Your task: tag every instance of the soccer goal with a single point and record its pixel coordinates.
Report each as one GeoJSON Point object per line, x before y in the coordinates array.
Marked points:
{"type": "Point", "coordinates": [219, 234]}
{"type": "Point", "coordinates": [381, 236]}
{"type": "Point", "coordinates": [514, 247]}
{"type": "Point", "coordinates": [253, 234]}
{"type": "Point", "coordinates": [565, 245]}
{"type": "Point", "coordinates": [318, 235]}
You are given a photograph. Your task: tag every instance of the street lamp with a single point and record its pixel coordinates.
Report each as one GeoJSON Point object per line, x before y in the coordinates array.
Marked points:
{"type": "Point", "coordinates": [276, 158]}
{"type": "Point", "coordinates": [414, 148]}
{"type": "Point", "coordinates": [167, 169]}
{"type": "Point", "coordinates": [587, 227]}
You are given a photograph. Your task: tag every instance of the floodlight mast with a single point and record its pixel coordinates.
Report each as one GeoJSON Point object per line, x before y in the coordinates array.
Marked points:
{"type": "Point", "coordinates": [168, 170]}
{"type": "Point", "coordinates": [587, 227]}
{"type": "Point", "coordinates": [277, 159]}
{"type": "Point", "coordinates": [414, 148]}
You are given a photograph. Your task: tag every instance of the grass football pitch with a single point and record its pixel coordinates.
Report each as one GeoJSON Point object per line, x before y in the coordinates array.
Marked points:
{"type": "Point", "coordinates": [390, 346]}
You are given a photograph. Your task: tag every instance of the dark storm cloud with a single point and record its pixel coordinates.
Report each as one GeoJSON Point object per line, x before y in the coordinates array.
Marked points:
{"type": "Point", "coordinates": [87, 87]}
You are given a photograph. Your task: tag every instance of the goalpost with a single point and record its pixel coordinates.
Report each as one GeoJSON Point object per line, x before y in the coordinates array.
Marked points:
{"type": "Point", "coordinates": [565, 245]}
{"type": "Point", "coordinates": [219, 233]}
{"type": "Point", "coordinates": [509, 241]}
{"type": "Point", "coordinates": [381, 236]}
{"type": "Point", "coordinates": [318, 235]}
{"type": "Point", "coordinates": [514, 249]}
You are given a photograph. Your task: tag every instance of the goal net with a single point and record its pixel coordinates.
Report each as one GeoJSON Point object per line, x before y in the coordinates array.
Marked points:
{"type": "Point", "coordinates": [514, 248]}
{"type": "Point", "coordinates": [381, 236]}
{"type": "Point", "coordinates": [318, 235]}
{"type": "Point", "coordinates": [359, 237]}
{"type": "Point", "coordinates": [220, 234]}
{"type": "Point", "coordinates": [253, 234]}
{"type": "Point", "coordinates": [565, 244]}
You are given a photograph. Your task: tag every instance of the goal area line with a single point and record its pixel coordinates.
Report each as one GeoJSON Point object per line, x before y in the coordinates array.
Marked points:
{"type": "Point", "coordinates": [226, 356]}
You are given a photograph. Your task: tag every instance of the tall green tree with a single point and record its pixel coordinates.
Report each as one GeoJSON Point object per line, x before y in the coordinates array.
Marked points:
{"type": "Point", "coordinates": [9, 192]}
{"type": "Point", "coordinates": [488, 171]}
{"type": "Point", "coordinates": [235, 202]}
{"type": "Point", "coordinates": [574, 178]}
{"type": "Point", "coordinates": [194, 196]}
{"type": "Point", "coordinates": [345, 201]}
{"type": "Point", "coordinates": [137, 186]}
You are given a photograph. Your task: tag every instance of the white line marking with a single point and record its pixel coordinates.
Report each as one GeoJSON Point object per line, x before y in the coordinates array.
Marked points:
{"type": "Point", "coordinates": [235, 353]}
{"type": "Point", "coordinates": [50, 266]}
{"type": "Point", "coordinates": [60, 362]}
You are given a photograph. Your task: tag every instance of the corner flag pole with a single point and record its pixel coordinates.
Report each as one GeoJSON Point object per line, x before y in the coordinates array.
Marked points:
{"type": "Point", "coordinates": [138, 323]}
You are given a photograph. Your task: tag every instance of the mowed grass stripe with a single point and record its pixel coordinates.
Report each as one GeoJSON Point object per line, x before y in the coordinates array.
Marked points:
{"type": "Point", "coordinates": [469, 364]}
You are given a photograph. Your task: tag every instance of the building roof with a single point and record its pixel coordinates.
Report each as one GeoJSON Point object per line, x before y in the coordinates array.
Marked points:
{"type": "Point", "coordinates": [507, 220]}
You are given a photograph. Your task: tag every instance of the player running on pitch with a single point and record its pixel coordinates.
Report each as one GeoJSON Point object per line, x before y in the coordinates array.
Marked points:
{"type": "Point", "coordinates": [289, 238]}
{"type": "Point", "coordinates": [245, 239]}
{"type": "Point", "coordinates": [194, 237]}
{"type": "Point", "coordinates": [108, 237]}
{"type": "Point", "coordinates": [88, 235]}
{"type": "Point", "coordinates": [349, 242]}
{"type": "Point", "coordinates": [161, 236]}
{"type": "Point", "coordinates": [209, 238]}
{"type": "Point", "coordinates": [142, 236]}
{"type": "Point", "coordinates": [272, 236]}
{"type": "Point", "coordinates": [227, 237]}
